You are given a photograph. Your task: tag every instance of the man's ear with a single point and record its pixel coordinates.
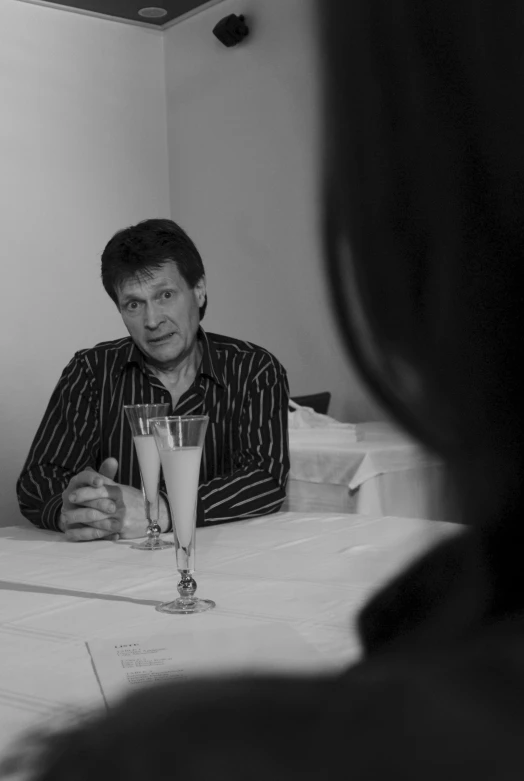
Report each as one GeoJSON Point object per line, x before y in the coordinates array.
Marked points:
{"type": "Point", "coordinates": [200, 290]}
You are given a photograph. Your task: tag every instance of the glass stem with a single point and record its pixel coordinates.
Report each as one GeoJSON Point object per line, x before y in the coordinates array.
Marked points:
{"type": "Point", "coordinates": [186, 587]}
{"type": "Point", "coordinates": [153, 527]}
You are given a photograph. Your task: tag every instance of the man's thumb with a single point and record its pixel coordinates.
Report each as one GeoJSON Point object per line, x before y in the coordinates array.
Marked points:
{"type": "Point", "coordinates": [109, 468]}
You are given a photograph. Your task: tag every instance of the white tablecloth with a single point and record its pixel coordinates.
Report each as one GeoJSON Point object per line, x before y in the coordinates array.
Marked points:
{"type": "Point", "coordinates": [383, 473]}
{"type": "Point", "coordinates": [310, 571]}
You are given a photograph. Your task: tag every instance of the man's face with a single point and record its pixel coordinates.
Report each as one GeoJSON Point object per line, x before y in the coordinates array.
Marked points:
{"type": "Point", "coordinates": [161, 313]}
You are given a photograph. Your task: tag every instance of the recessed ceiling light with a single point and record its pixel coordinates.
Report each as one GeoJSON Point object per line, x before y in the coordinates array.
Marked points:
{"type": "Point", "coordinates": [152, 13]}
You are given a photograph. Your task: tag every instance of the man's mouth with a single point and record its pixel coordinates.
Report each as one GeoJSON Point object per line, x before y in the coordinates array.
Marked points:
{"type": "Point", "coordinates": [160, 339]}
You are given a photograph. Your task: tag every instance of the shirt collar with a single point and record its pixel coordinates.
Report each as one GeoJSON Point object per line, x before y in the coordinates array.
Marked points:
{"type": "Point", "coordinates": [210, 366]}
{"type": "Point", "coordinates": [130, 354]}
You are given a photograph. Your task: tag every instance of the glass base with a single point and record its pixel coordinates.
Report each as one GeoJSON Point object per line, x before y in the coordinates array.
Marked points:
{"type": "Point", "coordinates": [152, 544]}
{"type": "Point", "coordinates": [186, 606]}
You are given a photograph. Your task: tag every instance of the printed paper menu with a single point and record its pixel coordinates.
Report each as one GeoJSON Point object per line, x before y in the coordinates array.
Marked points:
{"type": "Point", "coordinates": [145, 665]}
{"type": "Point", "coordinates": [124, 665]}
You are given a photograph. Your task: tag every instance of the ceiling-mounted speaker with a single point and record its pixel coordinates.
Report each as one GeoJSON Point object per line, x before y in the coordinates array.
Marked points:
{"type": "Point", "coordinates": [231, 30]}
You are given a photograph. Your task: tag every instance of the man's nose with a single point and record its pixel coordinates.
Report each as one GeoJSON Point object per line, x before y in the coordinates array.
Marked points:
{"type": "Point", "coordinates": [153, 316]}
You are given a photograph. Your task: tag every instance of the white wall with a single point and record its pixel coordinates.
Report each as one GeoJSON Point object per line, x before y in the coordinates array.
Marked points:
{"type": "Point", "coordinates": [244, 150]}
{"type": "Point", "coordinates": [83, 152]}
{"type": "Point", "coordinates": [88, 146]}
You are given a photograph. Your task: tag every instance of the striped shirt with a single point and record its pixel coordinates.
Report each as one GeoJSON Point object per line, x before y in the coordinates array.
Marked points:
{"type": "Point", "coordinates": [241, 387]}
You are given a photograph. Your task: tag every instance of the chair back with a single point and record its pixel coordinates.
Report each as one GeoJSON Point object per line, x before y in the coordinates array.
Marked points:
{"type": "Point", "coordinates": [319, 402]}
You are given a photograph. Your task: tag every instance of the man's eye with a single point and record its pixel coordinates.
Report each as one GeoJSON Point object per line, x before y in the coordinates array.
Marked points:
{"type": "Point", "coordinates": [132, 306]}
{"type": "Point", "coordinates": [167, 294]}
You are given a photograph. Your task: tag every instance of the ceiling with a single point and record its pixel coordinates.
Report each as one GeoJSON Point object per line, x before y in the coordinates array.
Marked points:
{"type": "Point", "coordinates": [127, 10]}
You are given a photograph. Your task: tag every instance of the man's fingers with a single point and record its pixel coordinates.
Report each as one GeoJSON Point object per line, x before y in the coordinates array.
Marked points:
{"type": "Point", "coordinates": [88, 533]}
{"type": "Point", "coordinates": [99, 498]}
{"type": "Point", "coordinates": [113, 524]}
{"type": "Point", "coordinates": [89, 485]}
{"type": "Point", "coordinates": [86, 515]}
{"type": "Point", "coordinates": [78, 526]}
{"type": "Point", "coordinates": [109, 468]}
{"type": "Point", "coordinates": [87, 477]}
{"type": "Point", "coordinates": [105, 506]}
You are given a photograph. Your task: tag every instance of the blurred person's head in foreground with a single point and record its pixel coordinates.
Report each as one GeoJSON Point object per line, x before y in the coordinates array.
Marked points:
{"type": "Point", "coordinates": [424, 226]}
{"type": "Point", "coordinates": [424, 223]}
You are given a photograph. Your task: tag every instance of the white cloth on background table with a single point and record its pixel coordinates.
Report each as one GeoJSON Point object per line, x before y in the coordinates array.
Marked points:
{"type": "Point", "coordinates": [372, 468]}
{"type": "Point", "coordinates": [333, 456]}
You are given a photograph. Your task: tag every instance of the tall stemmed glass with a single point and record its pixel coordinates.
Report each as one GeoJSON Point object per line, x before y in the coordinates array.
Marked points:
{"type": "Point", "coordinates": [180, 440]}
{"type": "Point", "coordinates": [139, 417]}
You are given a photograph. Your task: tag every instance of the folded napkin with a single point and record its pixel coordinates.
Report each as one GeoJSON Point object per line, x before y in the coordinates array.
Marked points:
{"type": "Point", "coordinates": [304, 422]}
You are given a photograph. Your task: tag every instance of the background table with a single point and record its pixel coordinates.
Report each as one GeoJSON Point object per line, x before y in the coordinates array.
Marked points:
{"type": "Point", "coordinates": [383, 473]}
{"type": "Point", "coordinates": [311, 571]}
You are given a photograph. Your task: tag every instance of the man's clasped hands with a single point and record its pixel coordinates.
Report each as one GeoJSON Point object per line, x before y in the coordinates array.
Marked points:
{"type": "Point", "coordinates": [95, 507]}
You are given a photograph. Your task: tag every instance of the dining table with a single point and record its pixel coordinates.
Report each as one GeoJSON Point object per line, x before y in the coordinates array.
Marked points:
{"type": "Point", "coordinates": [370, 468]}
{"type": "Point", "coordinates": [311, 572]}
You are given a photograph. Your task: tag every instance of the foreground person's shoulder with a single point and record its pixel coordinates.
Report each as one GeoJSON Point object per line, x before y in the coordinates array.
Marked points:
{"type": "Point", "coordinates": [433, 710]}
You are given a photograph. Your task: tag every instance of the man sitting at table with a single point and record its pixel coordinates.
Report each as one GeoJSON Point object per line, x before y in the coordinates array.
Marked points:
{"type": "Point", "coordinates": [81, 476]}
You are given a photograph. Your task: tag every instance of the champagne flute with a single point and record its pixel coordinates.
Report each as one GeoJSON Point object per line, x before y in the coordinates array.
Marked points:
{"type": "Point", "coordinates": [180, 440]}
{"type": "Point", "coordinates": [139, 417]}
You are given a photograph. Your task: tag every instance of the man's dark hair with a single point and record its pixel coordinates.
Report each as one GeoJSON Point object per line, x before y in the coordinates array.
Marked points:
{"type": "Point", "coordinates": [137, 251]}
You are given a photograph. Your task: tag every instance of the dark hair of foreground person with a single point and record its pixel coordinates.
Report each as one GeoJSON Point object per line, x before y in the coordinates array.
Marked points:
{"type": "Point", "coordinates": [424, 227]}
